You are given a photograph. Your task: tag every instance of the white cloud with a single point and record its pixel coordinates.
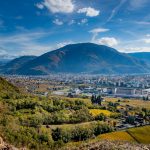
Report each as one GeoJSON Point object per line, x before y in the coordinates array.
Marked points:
{"type": "Point", "coordinates": [58, 6]}
{"type": "Point", "coordinates": [5, 55]}
{"type": "Point", "coordinates": [90, 12]}
{"type": "Point", "coordinates": [25, 43]}
{"type": "Point", "coordinates": [62, 44]}
{"type": "Point", "coordinates": [137, 4]}
{"type": "Point", "coordinates": [116, 9]}
{"type": "Point", "coordinates": [109, 41]}
{"type": "Point", "coordinates": [83, 21]}
{"type": "Point", "coordinates": [58, 22]}
{"type": "Point", "coordinates": [142, 22]}
{"type": "Point", "coordinates": [71, 22]}
{"type": "Point", "coordinates": [2, 52]}
{"type": "Point", "coordinates": [147, 41]}
{"type": "Point", "coordinates": [148, 35]}
{"type": "Point", "coordinates": [96, 31]}
{"type": "Point", "coordinates": [40, 6]}
{"type": "Point", "coordinates": [136, 49]}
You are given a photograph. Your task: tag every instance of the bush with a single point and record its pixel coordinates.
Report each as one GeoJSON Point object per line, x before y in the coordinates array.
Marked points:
{"type": "Point", "coordinates": [82, 115]}
{"type": "Point", "coordinates": [58, 134]}
{"type": "Point", "coordinates": [100, 117]}
{"type": "Point", "coordinates": [102, 128]}
{"type": "Point", "coordinates": [80, 133]}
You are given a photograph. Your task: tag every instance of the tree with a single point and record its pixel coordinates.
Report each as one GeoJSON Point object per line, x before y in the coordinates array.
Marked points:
{"type": "Point", "coordinates": [130, 119]}
{"type": "Point", "coordinates": [93, 99]}
{"type": "Point", "coordinates": [100, 117]}
{"type": "Point", "coordinates": [56, 134]}
{"type": "Point", "coordinates": [96, 99]}
{"type": "Point", "coordinates": [99, 100]}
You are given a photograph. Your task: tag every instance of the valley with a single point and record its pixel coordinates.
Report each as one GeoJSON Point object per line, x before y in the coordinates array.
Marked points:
{"type": "Point", "coordinates": [74, 74]}
{"type": "Point", "coordinates": [52, 121]}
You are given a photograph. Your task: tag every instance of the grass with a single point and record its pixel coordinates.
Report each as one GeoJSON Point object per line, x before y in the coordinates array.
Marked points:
{"type": "Point", "coordinates": [132, 102]}
{"type": "Point", "coordinates": [117, 136]}
{"type": "Point", "coordinates": [96, 112]}
{"type": "Point", "coordinates": [141, 134]}
{"type": "Point", "coordinates": [134, 135]}
{"type": "Point", "coordinates": [71, 126]}
{"type": "Point", "coordinates": [86, 101]}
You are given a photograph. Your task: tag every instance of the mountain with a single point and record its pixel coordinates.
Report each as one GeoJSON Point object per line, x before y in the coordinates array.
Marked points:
{"type": "Point", "coordinates": [4, 59]}
{"type": "Point", "coordinates": [83, 58]}
{"type": "Point", "coordinates": [144, 56]}
{"type": "Point", "coordinates": [15, 64]}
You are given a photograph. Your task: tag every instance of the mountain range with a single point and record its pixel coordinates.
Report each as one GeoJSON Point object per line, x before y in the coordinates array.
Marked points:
{"type": "Point", "coordinates": [79, 58]}
{"type": "Point", "coordinates": [12, 66]}
{"type": "Point", "coordinates": [144, 56]}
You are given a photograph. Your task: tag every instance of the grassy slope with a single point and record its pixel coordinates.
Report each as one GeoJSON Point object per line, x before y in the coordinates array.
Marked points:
{"type": "Point", "coordinates": [135, 135]}
{"type": "Point", "coordinates": [117, 136]}
{"type": "Point", "coordinates": [131, 102]}
{"type": "Point", "coordinates": [7, 88]}
{"type": "Point", "coordinates": [72, 126]}
{"type": "Point", "coordinates": [141, 134]}
{"type": "Point", "coordinates": [96, 112]}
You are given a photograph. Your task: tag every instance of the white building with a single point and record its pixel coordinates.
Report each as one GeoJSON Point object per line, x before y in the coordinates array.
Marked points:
{"type": "Point", "coordinates": [146, 92]}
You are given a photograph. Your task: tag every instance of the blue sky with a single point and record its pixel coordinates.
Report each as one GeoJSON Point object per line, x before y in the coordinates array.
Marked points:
{"type": "Point", "coordinates": [33, 27]}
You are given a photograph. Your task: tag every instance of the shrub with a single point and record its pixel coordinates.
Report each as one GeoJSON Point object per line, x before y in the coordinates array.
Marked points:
{"type": "Point", "coordinates": [80, 133]}
{"type": "Point", "coordinates": [82, 115]}
{"type": "Point", "coordinates": [100, 117]}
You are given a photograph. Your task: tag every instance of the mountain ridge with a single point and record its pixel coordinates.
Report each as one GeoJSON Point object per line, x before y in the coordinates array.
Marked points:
{"type": "Point", "coordinates": [13, 65]}
{"type": "Point", "coordinates": [144, 56]}
{"type": "Point", "coordinates": [83, 58]}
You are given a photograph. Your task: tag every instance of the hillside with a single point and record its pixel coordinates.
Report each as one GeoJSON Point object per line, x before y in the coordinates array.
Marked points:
{"type": "Point", "coordinates": [7, 89]}
{"type": "Point", "coordinates": [119, 140]}
{"type": "Point", "coordinates": [15, 64]}
{"type": "Point", "coordinates": [53, 123]}
{"type": "Point", "coordinates": [144, 56]}
{"type": "Point", "coordinates": [109, 145]}
{"type": "Point", "coordinates": [83, 58]}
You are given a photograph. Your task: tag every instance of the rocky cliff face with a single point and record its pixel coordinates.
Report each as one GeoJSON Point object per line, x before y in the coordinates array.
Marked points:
{"type": "Point", "coordinates": [5, 146]}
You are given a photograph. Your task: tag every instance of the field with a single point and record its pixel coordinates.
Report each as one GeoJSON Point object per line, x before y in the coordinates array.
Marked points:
{"type": "Point", "coordinates": [131, 102]}
{"type": "Point", "coordinates": [71, 126]}
{"type": "Point", "coordinates": [86, 101]}
{"type": "Point", "coordinates": [134, 136]}
{"type": "Point", "coordinates": [117, 136]}
{"type": "Point", "coordinates": [96, 112]}
{"type": "Point", "coordinates": [140, 135]}
{"type": "Point", "coordinates": [47, 122]}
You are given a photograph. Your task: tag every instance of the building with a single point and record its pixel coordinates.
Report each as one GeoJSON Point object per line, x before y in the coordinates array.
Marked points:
{"type": "Point", "coordinates": [146, 92]}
